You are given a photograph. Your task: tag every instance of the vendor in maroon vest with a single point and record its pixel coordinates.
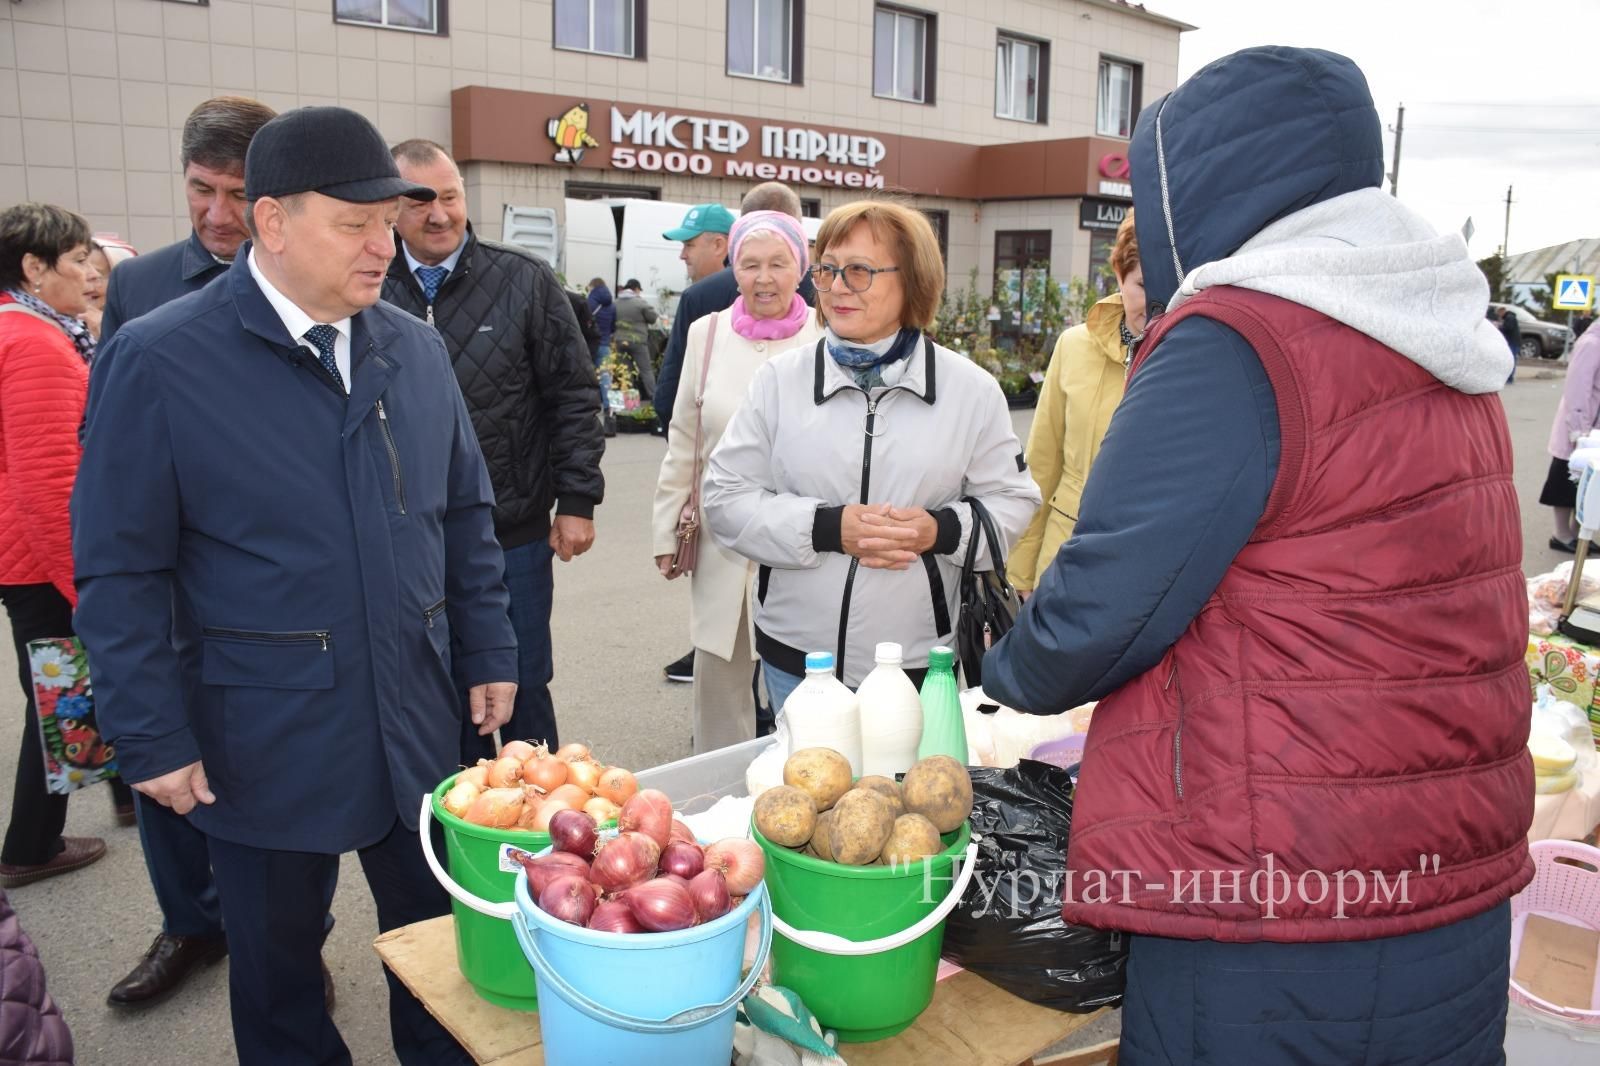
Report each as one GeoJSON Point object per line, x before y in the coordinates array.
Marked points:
{"type": "Point", "coordinates": [1295, 588]}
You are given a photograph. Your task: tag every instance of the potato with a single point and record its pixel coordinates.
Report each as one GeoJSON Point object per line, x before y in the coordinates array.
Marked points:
{"type": "Point", "coordinates": [822, 772]}
{"type": "Point", "coordinates": [912, 838]}
{"type": "Point", "coordinates": [939, 789]}
{"type": "Point", "coordinates": [821, 846]}
{"type": "Point", "coordinates": [860, 825]}
{"type": "Point", "coordinates": [786, 816]}
{"type": "Point", "coordinates": [887, 789]}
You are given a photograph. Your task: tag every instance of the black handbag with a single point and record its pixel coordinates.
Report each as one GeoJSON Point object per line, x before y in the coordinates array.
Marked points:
{"type": "Point", "coordinates": [988, 602]}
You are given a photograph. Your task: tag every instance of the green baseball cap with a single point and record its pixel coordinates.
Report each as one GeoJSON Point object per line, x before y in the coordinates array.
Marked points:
{"type": "Point", "coordinates": [702, 218]}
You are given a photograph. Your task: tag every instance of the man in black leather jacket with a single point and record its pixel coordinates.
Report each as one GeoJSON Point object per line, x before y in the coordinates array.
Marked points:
{"type": "Point", "coordinates": [525, 372]}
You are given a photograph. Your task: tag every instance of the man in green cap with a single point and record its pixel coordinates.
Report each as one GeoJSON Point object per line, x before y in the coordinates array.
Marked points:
{"type": "Point", "coordinates": [704, 233]}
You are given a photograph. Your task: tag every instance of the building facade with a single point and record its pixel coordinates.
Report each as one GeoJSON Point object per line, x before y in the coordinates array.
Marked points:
{"type": "Point", "coordinates": [1006, 121]}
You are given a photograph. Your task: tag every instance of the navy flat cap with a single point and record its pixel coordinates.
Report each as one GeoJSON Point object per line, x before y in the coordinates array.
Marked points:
{"type": "Point", "coordinates": [330, 150]}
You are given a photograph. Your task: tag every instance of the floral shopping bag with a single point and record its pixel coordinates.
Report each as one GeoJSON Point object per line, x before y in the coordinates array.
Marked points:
{"type": "Point", "coordinates": [75, 755]}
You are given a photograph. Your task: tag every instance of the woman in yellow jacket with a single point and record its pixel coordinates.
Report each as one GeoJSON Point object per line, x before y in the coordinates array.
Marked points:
{"type": "Point", "coordinates": [1081, 389]}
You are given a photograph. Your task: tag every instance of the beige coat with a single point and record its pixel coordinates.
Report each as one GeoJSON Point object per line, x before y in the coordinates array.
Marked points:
{"type": "Point", "coordinates": [1081, 391]}
{"type": "Point", "coordinates": [720, 584]}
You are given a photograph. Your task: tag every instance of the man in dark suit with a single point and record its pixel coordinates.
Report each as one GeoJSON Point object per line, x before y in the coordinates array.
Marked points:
{"type": "Point", "coordinates": [274, 546]}
{"type": "Point", "coordinates": [709, 293]}
{"type": "Point", "coordinates": [212, 149]}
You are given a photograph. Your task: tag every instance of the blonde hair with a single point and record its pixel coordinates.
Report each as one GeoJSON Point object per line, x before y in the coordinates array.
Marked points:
{"type": "Point", "coordinates": [909, 236]}
{"type": "Point", "coordinates": [1125, 249]}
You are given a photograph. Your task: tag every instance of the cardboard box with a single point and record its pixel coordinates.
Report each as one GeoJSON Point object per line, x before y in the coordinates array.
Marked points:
{"type": "Point", "coordinates": [1557, 961]}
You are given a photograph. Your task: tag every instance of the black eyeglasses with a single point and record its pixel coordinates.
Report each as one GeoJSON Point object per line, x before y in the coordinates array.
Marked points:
{"type": "Point", "coordinates": [858, 277]}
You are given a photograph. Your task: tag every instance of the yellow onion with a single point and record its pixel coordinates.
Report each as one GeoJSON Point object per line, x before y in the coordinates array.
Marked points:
{"type": "Point", "coordinates": [519, 750]}
{"type": "Point", "coordinates": [498, 808]}
{"type": "Point", "coordinates": [585, 773]}
{"type": "Point", "coordinates": [617, 785]}
{"type": "Point", "coordinates": [476, 775]}
{"type": "Point", "coordinates": [460, 797]}
{"type": "Point", "coordinates": [504, 773]}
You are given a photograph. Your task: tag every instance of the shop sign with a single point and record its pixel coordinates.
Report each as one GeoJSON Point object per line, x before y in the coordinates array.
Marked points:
{"type": "Point", "coordinates": [1101, 214]}
{"type": "Point", "coordinates": [662, 141]}
{"type": "Point", "coordinates": [1115, 175]}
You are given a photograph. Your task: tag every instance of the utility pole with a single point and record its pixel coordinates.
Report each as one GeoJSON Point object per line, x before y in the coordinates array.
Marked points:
{"type": "Point", "coordinates": [1399, 130]}
{"type": "Point", "coordinates": [1505, 246]}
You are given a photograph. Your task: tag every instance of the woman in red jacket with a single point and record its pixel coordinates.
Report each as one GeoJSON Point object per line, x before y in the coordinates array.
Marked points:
{"type": "Point", "coordinates": [44, 380]}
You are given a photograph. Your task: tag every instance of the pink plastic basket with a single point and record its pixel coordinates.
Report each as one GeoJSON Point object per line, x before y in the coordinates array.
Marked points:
{"type": "Point", "coordinates": [1565, 892]}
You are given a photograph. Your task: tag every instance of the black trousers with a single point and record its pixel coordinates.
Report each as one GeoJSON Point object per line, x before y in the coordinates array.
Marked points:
{"type": "Point", "coordinates": [37, 612]}
{"type": "Point", "coordinates": [274, 904]}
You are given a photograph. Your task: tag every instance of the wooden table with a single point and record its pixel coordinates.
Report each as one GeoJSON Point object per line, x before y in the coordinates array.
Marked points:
{"type": "Point", "coordinates": [970, 1021]}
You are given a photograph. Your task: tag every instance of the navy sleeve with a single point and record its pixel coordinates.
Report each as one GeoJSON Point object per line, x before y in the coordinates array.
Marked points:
{"type": "Point", "coordinates": [1178, 488]}
{"type": "Point", "coordinates": [112, 317]}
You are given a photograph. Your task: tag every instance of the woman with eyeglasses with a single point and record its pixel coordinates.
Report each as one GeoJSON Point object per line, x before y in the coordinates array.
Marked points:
{"type": "Point", "coordinates": [843, 473]}
{"type": "Point", "coordinates": [767, 251]}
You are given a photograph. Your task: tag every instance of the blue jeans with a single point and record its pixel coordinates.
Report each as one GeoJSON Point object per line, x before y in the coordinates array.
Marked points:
{"type": "Point", "coordinates": [530, 578]}
{"type": "Point", "coordinates": [530, 581]}
{"type": "Point", "coordinates": [605, 375]}
{"type": "Point", "coordinates": [779, 685]}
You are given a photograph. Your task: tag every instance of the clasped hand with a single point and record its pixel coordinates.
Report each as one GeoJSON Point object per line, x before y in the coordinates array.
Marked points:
{"type": "Point", "coordinates": [885, 537]}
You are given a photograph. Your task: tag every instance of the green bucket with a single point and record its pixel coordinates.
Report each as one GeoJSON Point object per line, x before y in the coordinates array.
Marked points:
{"type": "Point", "coordinates": [481, 882]}
{"type": "Point", "coordinates": [860, 944]}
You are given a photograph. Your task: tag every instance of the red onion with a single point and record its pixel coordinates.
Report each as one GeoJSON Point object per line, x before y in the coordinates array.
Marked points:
{"type": "Point", "coordinates": [676, 879]}
{"type": "Point", "coordinates": [709, 892]}
{"type": "Point", "coordinates": [738, 859]}
{"type": "Point", "coordinates": [569, 899]}
{"type": "Point", "coordinates": [614, 916]}
{"type": "Point", "coordinates": [661, 905]}
{"type": "Point", "coordinates": [624, 862]}
{"type": "Point", "coordinates": [573, 832]}
{"type": "Point", "coordinates": [683, 859]}
{"type": "Point", "coordinates": [546, 868]}
{"type": "Point", "coordinates": [681, 831]}
{"type": "Point", "coordinates": [648, 811]}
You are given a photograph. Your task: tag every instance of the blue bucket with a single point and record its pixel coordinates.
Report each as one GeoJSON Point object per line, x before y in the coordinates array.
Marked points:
{"type": "Point", "coordinates": [621, 999]}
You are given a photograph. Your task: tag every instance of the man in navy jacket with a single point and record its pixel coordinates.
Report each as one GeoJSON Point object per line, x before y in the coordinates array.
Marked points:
{"type": "Point", "coordinates": [281, 519]}
{"type": "Point", "coordinates": [215, 138]}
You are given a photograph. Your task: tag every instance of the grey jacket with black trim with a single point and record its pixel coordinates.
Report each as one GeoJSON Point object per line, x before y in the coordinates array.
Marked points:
{"type": "Point", "coordinates": [806, 442]}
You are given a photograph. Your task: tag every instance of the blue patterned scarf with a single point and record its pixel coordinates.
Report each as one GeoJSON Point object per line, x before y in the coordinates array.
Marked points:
{"type": "Point", "coordinates": [867, 364]}
{"type": "Point", "coordinates": [79, 334]}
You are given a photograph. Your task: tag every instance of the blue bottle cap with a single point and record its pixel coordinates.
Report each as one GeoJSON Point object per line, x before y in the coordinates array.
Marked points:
{"type": "Point", "coordinates": [819, 662]}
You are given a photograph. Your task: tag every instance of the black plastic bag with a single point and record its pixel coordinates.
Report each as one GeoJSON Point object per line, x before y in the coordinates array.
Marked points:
{"type": "Point", "coordinates": [1008, 928]}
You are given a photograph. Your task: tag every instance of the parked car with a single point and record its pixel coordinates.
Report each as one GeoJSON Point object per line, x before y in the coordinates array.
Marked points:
{"type": "Point", "coordinates": [1540, 340]}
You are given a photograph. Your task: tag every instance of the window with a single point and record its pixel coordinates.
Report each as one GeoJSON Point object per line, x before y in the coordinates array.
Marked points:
{"type": "Point", "coordinates": [1120, 85]}
{"type": "Point", "coordinates": [810, 207]}
{"type": "Point", "coordinates": [939, 219]}
{"type": "Point", "coordinates": [1021, 78]}
{"type": "Point", "coordinates": [608, 27]}
{"type": "Point", "coordinates": [902, 54]}
{"type": "Point", "coordinates": [592, 190]}
{"type": "Point", "coordinates": [418, 16]}
{"type": "Point", "coordinates": [765, 39]}
{"type": "Point", "coordinates": [1021, 269]}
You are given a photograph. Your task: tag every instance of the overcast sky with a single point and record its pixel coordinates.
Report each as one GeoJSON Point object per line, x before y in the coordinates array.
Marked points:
{"type": "Point", "coordinates": [1495, 95]}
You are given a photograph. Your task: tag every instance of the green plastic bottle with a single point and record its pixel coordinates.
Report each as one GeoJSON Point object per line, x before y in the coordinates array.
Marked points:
{"type": "Point", "coordinates": [943, 732]}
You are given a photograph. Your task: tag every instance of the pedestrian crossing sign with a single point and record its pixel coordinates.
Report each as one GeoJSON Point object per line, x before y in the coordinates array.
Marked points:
{"type": "Point", "coordinates": [1574, 292]}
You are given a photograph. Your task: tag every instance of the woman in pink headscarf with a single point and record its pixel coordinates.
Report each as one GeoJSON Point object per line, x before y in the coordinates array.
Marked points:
{"type": "Point", "coordinates": [767, 250]}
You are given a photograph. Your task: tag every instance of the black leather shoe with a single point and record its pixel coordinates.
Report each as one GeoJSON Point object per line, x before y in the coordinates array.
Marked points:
{"type": "Point", "coordinates": [170, 960]}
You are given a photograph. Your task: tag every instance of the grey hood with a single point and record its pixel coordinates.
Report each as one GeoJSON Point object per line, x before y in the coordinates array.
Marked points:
{"type": "Point", "coordinates": [1368, 261]}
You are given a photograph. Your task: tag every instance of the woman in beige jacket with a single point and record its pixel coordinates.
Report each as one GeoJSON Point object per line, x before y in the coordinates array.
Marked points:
{"type": "Point", "coordinates": [1081, 389]}
{"type": "Point", "coordinates": [767, 250]}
